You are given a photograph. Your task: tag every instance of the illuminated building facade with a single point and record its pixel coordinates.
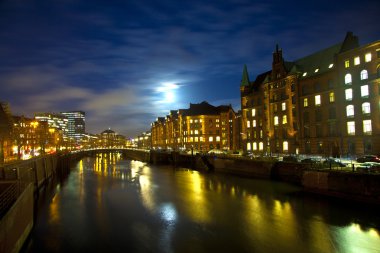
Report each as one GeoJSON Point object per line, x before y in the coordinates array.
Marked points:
{"type": "Point", "coordinates": [325, 104]}
{"type": "Point", "coordinates": [201, 127]}
{"type": "Point", "coordinates": [144, 141]}
{"type": "Point", "coordinates": [5, 133]}
{"type": "Point", "coordinates": [76, 126]}
{"type": "Point", "coordinates": [56, 121]}
{"type": "Point", "coordinates": [32, 138]}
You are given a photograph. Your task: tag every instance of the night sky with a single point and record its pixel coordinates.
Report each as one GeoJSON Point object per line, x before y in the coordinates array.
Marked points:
{"type": "Point", "coordinates": [125, 63]}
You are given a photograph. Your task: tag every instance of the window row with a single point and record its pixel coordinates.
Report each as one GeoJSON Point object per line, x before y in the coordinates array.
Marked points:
{"type": "Point", "coordinates": [318, 99]}
{"type": "Point", "coordinates": [363, 76]}
{"type": "Point", "coordinates": [367, 127]}
{"type": "Point", "coordinates": [201, 139]}
{"type": "Point", "coordinates": [367, 58]}
{"type": "Point", "coordinates": [364, 92]}
{"type": "Point", "coordinates": [350, 110]}
{"type": "Point", "coordinates": [260, 146]}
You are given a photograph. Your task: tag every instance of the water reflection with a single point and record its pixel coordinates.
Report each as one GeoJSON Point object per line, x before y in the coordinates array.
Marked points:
{"type": "Point", "coordinates": [112, 205]}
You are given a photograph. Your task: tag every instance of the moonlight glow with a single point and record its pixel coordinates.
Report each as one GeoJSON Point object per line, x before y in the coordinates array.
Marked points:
{"type": "Point", "coordinates": [168, 92]}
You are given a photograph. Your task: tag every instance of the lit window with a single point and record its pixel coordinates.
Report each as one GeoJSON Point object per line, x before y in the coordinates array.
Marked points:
{"type": "Point", "coordinates": [284, 119]}
{"type": "Point", "coordinates": [346, 63]}
{"type": "Point", "coordinates": [316, 70]}
{"type": "Point", "coordinates": [191, 132]}
{"type": "Point", "coordinates": [191, 139]}
{"type": "Point", "coordinates": [364, 90]}
{"type": "Point", "coordinates": [191, 121]}
{"type": "Point", "coordinates": [196, 132]}
{"type": "Point", "coordinates": [254, 123]}
{"type": "Point", "coordinates": [351, 127]}
{"type": "Point", "coordinates": [357, 60]}
{"type": "Point", "coordinates": [331, 65]}
{"type": "Point", "coordinates": [348, 79]}
{"type": "Point", "coordinates": [196, 121]}
{"type": "Point", "coordinates": [366, 108]}
{"type": "Point", "coordinates": [332, 97]}
{"type": "Point", "coordinates": [350, 111]}
{"type": "Point", "coordinates": [261, 146]}
{"type": "Point", "coordinates": [368, 57]}
{"type": "Point", "coordinates": [248, 124]}
{"type": "Point", "coordinates": [196, 139]}
{"type": "Point", "coordinates": [210, 139]}
{"type": "Point", "coordinates": [304, 74]}
{"type": "Point", "coordinates": [261, 133]}
{"type": "Point", "coordinates": [285, 146]}
{"type": "Point", "coordinates": [318, 100]}
{"type": "Point", "coordinates": [305, 102]}
{"type": "Point", "coordinates": [275, 120]}
{"type": "Point", "coordinates": [367, 126]}
{"type": "Point", "coordinates": [217, 138]}
{"type": "Point", "coordinates": [364, 75]}
{"type": "Point", "coordinates": [254, 146]}
{"type": "Point", "coordinates": [201, 139]}
{"type": "Point", "coordinates": [348, 94]}
{"type": "Point", "coordinates": [253, 112]}
{"type": "Point", "coordinates": [248, 146]}
{"type": "Point", "coordinates": [217, 120]}
{"type": "Point", "coordinates": [200, 120]}
{"type": "Point", "coordinates": [283, 106]}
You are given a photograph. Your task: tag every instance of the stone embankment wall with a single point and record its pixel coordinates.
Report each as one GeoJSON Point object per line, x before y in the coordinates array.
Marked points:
{"type": "Point", "coordinates": [26, 177]}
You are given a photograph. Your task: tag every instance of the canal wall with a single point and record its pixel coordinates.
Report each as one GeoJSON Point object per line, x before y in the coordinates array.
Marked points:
{"type": "Point", "coordinates": [17, 223]}
{"type": "Point", "coordinates": [343, 184]}
{"type": "Point", "coordinates": [24, 180]}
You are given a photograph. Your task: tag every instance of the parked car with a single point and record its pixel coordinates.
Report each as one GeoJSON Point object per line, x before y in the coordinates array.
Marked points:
{"type": "Point", "coordinates": [290, 158]}
{"type": "Point", "coordinates": [334, 163]}
{"type": "Point", "coordinates": [368, 158]}
{"type": "Point", "coordinates": [309, 160]}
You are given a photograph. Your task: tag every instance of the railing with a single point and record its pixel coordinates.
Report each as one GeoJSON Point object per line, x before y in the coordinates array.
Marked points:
{"type": "Point", "coordinates": [9, 192]}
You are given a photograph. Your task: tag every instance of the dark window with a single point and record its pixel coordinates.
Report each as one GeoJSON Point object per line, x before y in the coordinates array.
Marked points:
{"type": "Point", "coordinates": [330, 83]}
{"type": "Point", "coordinates": [307, 147]}
{"type": "Point", "coordinates": [378, 71]}
{"type": "Point", "coordinates": [318, 130]}
{"type": "Point", "coordinates": [306, 131]}
{"type": "Point", "coordinates": [306, 117]}
{"type": "Point", "coordinates": [293, 100]}
{"type": "Point", "coordinates": [332, 113]}
{"type": "Point", "coordinates": [304, 90]}
{"type": "Point", "coordinates": [293, 87]}
{"type": "Point", "coordinates": [318, 115]}
{"type": "Point", "coordinates": [351, 148]}
{"type": "Point", "coordinates": [332, 129]}
{"type": "Point", "coordinates": [368, 146]}
{"type": "Point", "coordinates": [317, 87]}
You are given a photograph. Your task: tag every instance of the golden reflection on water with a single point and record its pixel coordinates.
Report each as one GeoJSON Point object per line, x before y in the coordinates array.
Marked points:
{"type": "Point", "coordinates": [54, 215]}
{"type": "Point", "coordinates": [192, 192]}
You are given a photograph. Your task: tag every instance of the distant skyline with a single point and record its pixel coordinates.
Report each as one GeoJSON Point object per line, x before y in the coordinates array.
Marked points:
{"type": "Point", "coordinates": [125, 63]}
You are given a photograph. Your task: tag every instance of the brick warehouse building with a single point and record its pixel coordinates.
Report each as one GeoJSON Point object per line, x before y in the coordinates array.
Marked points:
{"type": "Point", "coordinates": [202, 127]}
{"type": "Point", "coordinates": [325, 104]}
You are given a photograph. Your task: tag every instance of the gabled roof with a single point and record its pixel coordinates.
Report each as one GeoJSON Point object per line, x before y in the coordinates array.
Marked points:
{"type": "Point", "coordinates": [319, 61]}
{"type": "Point", "coordinates": [205, 108]}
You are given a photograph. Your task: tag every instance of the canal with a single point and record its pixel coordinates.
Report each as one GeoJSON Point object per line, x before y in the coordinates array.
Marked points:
{"type": "Point", "coordinates": [108, 204]}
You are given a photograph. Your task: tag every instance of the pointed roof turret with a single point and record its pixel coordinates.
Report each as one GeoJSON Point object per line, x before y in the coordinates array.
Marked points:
{"type": "Point", "coordinates": [245, 78]}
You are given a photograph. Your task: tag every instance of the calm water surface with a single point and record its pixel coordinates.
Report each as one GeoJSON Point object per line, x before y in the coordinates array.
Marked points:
{"type": "Point", "coordinates": [112, 205]}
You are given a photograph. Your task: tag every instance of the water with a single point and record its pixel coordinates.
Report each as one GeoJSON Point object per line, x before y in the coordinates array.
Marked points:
{"type": "Point", "coordinates": [113, 205]}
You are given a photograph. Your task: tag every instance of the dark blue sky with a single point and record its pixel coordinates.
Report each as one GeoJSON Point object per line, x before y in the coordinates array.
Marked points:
{"type": "Point", "coordinates": [119, 60]}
